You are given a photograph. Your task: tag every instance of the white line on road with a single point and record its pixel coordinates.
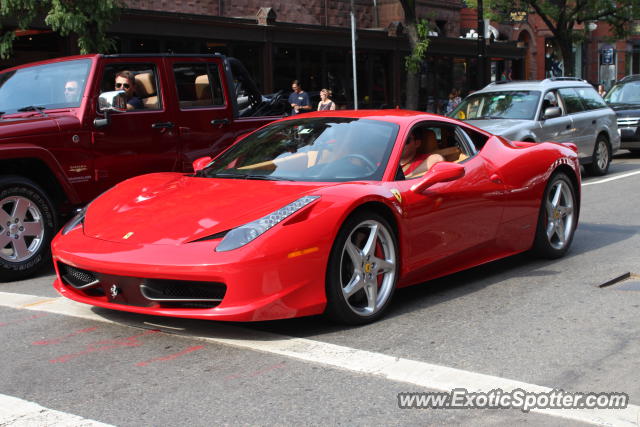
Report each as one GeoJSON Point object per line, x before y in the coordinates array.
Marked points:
{"type": "Point", "coordinates": [16, 412]}
{"type": "Point", "coordinates": [613, 178]}
{"type": "Point", "coordinates": [407, 371]}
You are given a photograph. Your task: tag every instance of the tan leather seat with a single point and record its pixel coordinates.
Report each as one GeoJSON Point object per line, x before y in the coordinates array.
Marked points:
{"type": "Point", "coordinates": [430, 146]}
{"type": "Point", "coordinates": [146, 90]}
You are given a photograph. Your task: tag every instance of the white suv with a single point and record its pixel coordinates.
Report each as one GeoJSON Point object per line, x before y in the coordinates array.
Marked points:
{"type": "Point", "coordinates": [560, 109]}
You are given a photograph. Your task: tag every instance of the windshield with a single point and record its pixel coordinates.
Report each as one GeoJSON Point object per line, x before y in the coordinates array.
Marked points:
{"type": "Point", "coordinates": [626, 93]}
{"type": "Point", "coordinates": [313, 149]}
{"type": "Point", "coordinates": [57, 85]}
{"type": "Point", "coordinates": [521, 104]}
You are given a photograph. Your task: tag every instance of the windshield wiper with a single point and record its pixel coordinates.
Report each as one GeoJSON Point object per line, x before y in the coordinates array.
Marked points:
{"type": "Point", "coordinates": [226, 175]}
{"type": "Point", "coordinates": [488, 118]}
{"type": "Point", "coordinates": [33, 108]}
{"type": "Point", "coordinates": [267, 178]}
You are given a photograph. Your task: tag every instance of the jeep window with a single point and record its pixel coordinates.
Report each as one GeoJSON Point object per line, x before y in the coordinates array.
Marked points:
{"type": "Point", "coordinates": [590, 98]}
{"type": "Point", "coordinates": [44, 86]}
{"type": "Point", "coordinates": [626, 93]}
{"type": "Point", "coordinates": [571, 100]}
{"type": "Point", "coordinates": [520, 104]}
{"type": "Point", "coordinates": [146, 87]}
{"type": "Point", "coordinates": [198, 85]}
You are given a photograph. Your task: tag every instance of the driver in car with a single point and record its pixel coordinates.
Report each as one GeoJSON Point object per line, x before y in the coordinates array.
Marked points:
{"type": "Point", "coordinates": [413, 163]}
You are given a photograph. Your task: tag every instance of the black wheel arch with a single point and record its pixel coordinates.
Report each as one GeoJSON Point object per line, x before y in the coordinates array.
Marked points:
{"type": "Point", "coordinates": [37, 171]}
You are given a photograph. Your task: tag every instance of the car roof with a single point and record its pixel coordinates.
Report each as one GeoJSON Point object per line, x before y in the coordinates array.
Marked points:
{"type": "Point", "coordinates": [629, 78]}
{"type": "Point", "coordinates": [551, 83]}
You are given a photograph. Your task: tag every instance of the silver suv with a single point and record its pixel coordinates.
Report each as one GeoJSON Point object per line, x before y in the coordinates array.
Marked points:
{"type": "Point", "coordinates": [560, 109]}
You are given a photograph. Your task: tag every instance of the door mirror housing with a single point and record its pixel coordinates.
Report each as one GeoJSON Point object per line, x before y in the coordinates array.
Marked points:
{"type": "Point", "coordinates": [552, 112]}
{"type": "Point", "coordinates": [200, 163]}
{"type": "Point", "coordinates": [110, 102]}
{"type": "Point", "coordinates": [440, 172]}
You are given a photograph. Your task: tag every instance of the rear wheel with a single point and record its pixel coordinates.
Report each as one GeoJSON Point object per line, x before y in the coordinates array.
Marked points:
{"type": "Point", "coordinates": [601, 157]}
{"type": "Point", "coordinates": [363, 270]}
{"type": "Point", "coordinates": [557, 219]}
{"type": "Point", "coordinates": [27, 225]}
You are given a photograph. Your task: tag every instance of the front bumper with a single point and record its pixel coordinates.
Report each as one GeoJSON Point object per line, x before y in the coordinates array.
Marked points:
{"type": "Point", "coordinates": [249, 284]}
{"type": "Point", "coordinates": [629, 136]}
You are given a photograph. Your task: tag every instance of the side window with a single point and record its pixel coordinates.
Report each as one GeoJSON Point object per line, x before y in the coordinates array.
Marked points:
{"type": "Point", "coordinates": [198, 85]}
{"type": "Point", "coordinates": [590, 98]}
{"type": "Point", "coordinates": [571, 100]}
{"type": "Point", "coordinates": [139, 81]}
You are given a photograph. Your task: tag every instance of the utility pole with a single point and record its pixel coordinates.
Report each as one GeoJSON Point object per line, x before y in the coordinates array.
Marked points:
{"type": "Point", "coordinates": [482, 47]}
{"type": "Point", "coordinates": [353, 54]}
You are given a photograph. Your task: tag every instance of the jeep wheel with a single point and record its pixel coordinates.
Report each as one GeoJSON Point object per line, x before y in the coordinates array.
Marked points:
{"type": "Point", "coordinates": [601, 157]}
{"type": "Point", "coordinates": [27, 225]}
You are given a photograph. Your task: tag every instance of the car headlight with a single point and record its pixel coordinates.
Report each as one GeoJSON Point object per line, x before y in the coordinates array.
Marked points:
{"type": "Point", "coordinates": [246, 233]}
{"type": "Point", "coordinates": [77, 219]}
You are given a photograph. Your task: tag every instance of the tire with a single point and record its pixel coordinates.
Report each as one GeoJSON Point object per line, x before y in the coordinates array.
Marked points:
{"type": "Point", "coordinates": [557, 219]}
{"type": "Point", "coordinates": [601, 158]}
{"type": "Point", "coordinates": [370, 270]}
{"type": "Point", "coordinates": [27, 224]}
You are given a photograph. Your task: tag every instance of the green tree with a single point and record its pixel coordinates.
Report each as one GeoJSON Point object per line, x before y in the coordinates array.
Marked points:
{"type": "Point", "coordinates": [561, 17]}
{"type": "Point", "coordinates": [418, 31]}
{"type": "Point", "coordinates": [86, 19]}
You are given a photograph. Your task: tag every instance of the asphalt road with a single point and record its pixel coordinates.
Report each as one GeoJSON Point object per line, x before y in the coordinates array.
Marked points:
{"type": "Point", "coordinates": [538, 323]}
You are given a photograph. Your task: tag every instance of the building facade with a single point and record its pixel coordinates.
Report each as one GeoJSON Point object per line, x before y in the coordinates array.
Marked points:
{"type": "Point", "coordinates": [309, 41]}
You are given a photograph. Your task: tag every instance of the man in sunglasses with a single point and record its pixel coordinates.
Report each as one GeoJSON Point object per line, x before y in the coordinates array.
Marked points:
{"type": "Point", "coordinates": [125, 81]}
{"type": "Point", "coordinates": [72, 92]}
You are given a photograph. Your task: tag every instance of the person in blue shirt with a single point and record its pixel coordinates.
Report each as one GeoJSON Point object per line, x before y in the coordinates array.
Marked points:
{"type": "Point", "coordinates": [298, 99]}
{"type": "Point", "coordinates": [125, 81]}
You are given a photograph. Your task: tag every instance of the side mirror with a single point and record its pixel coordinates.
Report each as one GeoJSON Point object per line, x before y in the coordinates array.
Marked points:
{"type": "Point", "coordinates": [440, 172]}
{"type": "Point", "coordinates": [552, 112]}
{"type": "Point", "coordinates": [200, 163]}
{"type": "Point", "coordinates": [110, 102]}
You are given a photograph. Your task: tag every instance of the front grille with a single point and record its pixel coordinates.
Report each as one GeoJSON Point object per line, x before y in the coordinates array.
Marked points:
{"type": "Point", "coordinates": [141, 292]}
{"type": "Point", "coordinates": [183, 293]}
{"type": "Point", "coordinates": [628, 121]}
{"type": "Point", "coordinates": [77, 277]}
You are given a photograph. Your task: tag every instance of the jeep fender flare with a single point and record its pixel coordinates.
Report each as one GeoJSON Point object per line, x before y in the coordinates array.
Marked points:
{"type": "Point", "coordinates": [30, 151]}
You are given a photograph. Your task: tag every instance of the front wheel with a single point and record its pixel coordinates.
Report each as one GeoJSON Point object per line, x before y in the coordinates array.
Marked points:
{"type": "Point", "coordinates": [601, 158]}
{"type": "Point", "coordinates": [363, 270]}
{"type": "Point", "coordinates": [557, 219]}
{"type": "Point", "coordinates": [27, 225]}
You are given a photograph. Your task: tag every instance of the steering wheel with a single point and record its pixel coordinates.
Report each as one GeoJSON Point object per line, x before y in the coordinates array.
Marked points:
{"type": "Point", "coordinates": [364, 160]}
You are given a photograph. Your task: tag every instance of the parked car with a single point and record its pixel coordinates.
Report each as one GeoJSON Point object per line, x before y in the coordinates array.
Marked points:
{"type": "Point", "coordinates": [560, 109]}
{"type": "Point", "coordinates": [66, 136]}
{"type": "Point", "coordinates": [313, 214]}
{"type": "Point", "coordinates": [624, 98]}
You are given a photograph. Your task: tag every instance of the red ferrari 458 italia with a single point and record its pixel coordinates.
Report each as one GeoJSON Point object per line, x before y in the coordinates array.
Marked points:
{"type": "Point", "coordinates": [325, 212]}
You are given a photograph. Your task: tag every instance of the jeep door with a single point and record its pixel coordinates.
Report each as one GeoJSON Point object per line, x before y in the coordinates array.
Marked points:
{"type": "Point", "coordinates": [140, 140]}
{"type": "Point", "coordinates": [203, 112]}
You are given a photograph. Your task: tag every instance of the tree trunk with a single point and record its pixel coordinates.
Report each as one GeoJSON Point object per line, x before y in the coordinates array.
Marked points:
{"type": "Point", "coordinates": [564, 42]}
{"type": "Point", "coordinates": [413, 88]}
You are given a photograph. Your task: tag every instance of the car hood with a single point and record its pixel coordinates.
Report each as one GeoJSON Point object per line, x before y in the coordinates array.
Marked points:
{"type": "Point", "coordinates": [172, 209]}
{"type": "Point", "coordinates": [500, 126]}
{"type": "Point", "coordinates": [626, 109]}
{"type": "Point", "coordinates": [26, 126]}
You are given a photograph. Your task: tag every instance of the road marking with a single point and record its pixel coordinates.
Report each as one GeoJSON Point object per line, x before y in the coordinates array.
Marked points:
{"type": "Point", "coordinates": [613, 178]}
{"type": "Point", "coordinates": [407, 371]}
{"type": "Point", "coordinates": [22, 413]}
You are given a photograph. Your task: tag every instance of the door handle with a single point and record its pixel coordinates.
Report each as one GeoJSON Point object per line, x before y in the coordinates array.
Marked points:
{"type": "Point", "coordinates": [216, 122]}
{"type": "Point", "coordinates": [162, 125]}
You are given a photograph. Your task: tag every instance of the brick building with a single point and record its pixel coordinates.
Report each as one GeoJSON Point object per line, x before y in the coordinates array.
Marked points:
{"type": "Point", "coordinates": [311, 41]}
